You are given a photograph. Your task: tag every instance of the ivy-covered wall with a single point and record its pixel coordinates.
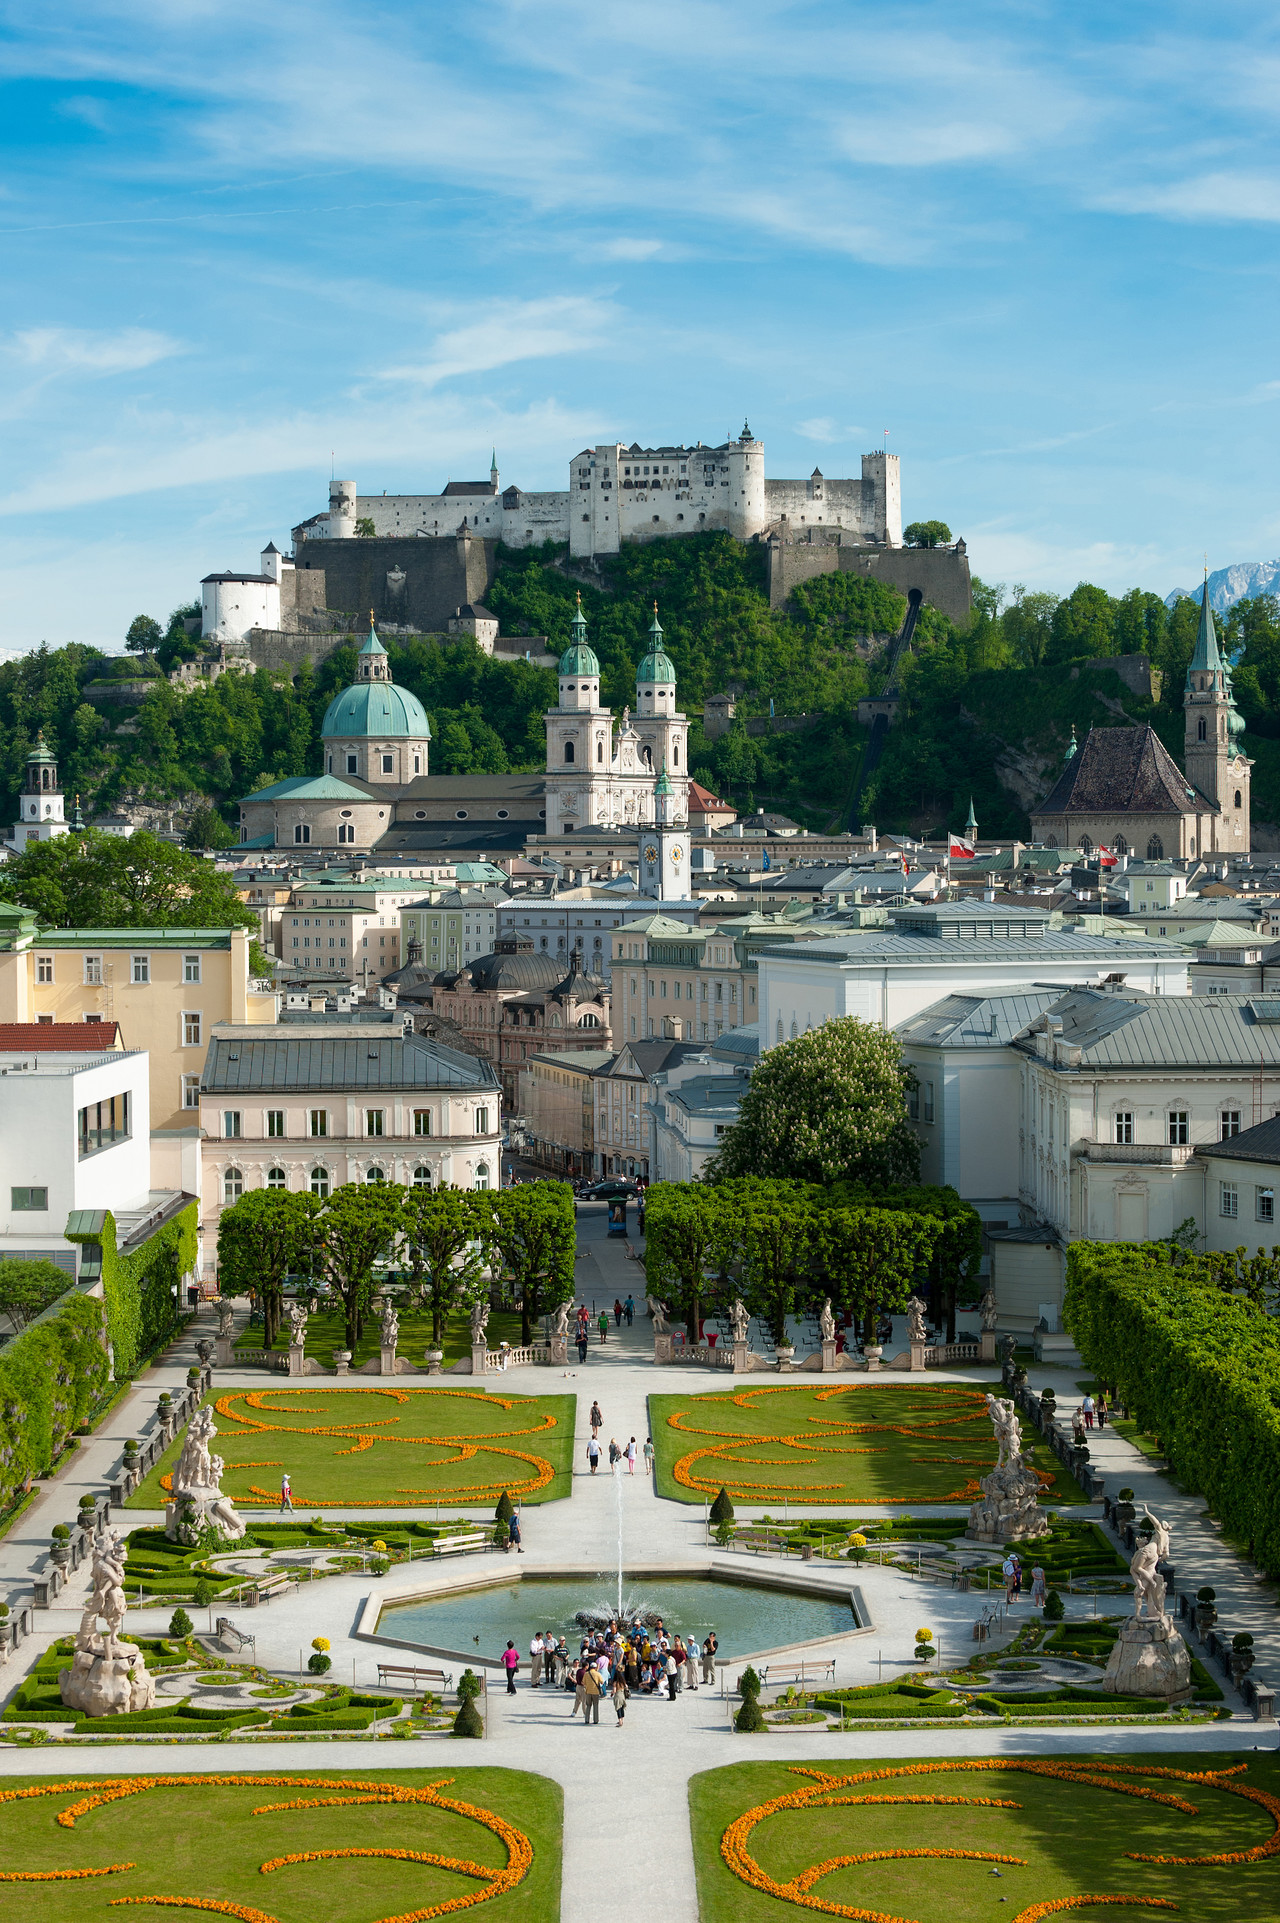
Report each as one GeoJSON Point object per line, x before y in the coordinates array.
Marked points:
{"type": "Point", "coordinates": [1198, 1366]}
{"type": "Point", "coordinates": [52, 1376]}
{"type": "Point", "coordinates": [142, 1308]}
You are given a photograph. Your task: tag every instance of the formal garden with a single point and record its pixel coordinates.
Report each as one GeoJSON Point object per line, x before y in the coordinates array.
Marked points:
{"type": "Point", "coordinates": [383, 1446]}
{"type": "Point", "coordinates": [863, 1442]}
{"type": "Point", "coordinates": [269, 1848]}
{"type": "Point", "coordinates": [947, 1841]}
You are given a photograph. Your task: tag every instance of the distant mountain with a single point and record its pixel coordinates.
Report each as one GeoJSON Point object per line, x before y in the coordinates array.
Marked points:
{"type": "Point", "coordinates": [1240, 582]}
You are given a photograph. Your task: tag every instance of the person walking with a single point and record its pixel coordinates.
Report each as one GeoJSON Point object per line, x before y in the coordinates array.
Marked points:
{"type": "Point", "coordinates": [592, 1690]}
{"type": "Point", "coordinates": [579, 1690]}
{"type": "Point", "coordinates": [620, 1693]}
{"type": "Point", "coordinates": [595, 1419]}
{"type": "Point", "coordinates": [709, 1648]}
{"type": "Point", "coordinates": [629, 1310]}
{"type": "Point", "coordinates": [513, 1534]}
{"type": "Point", "coordinates": [582, 1341]}
{"type": "Point", "coordinates": [536, 1648]}
{"type": "Point", "coordinates": [615, 1457]}
{"type": "Point", "coordinates": [1008, 1570]}
{"type": "Point", "coordinates": [648, 1455]}
{"type": "Point", "coordinates": [604, 1325]}
{"type": "Point", "coordinates": [511, 1662]}
{"type": "Point", "coordinates": [1039, 1589]}
{"type": "Point", "coordinates": [286, 1495]}
{"type": "Point", "coordinates": [1103, 1412]}
{"type": "Point", "coordinates": [1086, 1410]}
{"type": "Point", "coordinates": [631, 1457]}
{"type": "Point", "coordinates": [593, 1454]}
{"type": "Point", "coordinates": [617, 1313]}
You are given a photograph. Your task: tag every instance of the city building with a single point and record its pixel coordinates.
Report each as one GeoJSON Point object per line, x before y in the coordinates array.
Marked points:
{"type": "Point", "coordinates": [344, 928]}
{"type": "Point", "coordinates": [691, 984]}
{"type": "Point", "coordinates": [1241, 1175]}
{"type": "Point", "coordinates": [518, 1002]}
{"type": "Point", "coordinates": [446, 931]}
{"type": "Point", "coordinates": [623, 1100]}
{"type": "Point", "coordinates": [694, 1102]}
{"type": "Point", "coordinates": [41, 814]}
{"type": "Point", "coordinates": [557, 1106]}
{"type": "Point", "coordinates": [558, 919]}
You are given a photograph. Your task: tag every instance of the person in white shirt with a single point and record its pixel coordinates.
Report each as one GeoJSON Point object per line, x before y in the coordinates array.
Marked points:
{"type": "Point", "coordinates": [536, 1648]}
{"type": "Point", "coordinates": [691, 1662]}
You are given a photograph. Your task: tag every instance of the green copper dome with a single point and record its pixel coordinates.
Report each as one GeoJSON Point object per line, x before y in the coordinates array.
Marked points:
{"type": "Point", "coordinates": [578, 658]}
{"type": "Point", "coordinates": [375, 709]}
{"type": "Point", "coordinates": [657, 664]}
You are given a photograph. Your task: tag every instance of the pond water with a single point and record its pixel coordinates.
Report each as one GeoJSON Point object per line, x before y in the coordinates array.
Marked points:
{"type": "Point", "coordinates": [745, 1619]}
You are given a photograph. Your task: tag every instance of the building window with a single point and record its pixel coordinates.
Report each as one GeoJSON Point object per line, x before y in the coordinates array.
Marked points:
{"type": "Point", "coordinates": [388, 764]}
{"type": "Point", "coordinates": [141, 969]}
{"type": "Point", "coordinates": [44, 968]}
{"type": "Point", "coordinates": [913, 1104]}
{"type": "Point", "coordinates": [373, 1121]}
{"type": "Point", "coordinates": [231, 1124]}
{"type": "Point", "coordinates": [928, 1101]}
{"type": "Point", "coordinates": [422, 1177]}
{"type": "Point", "coordinates": [93, 971]}
{"type": "Point", "coordinates": [104, 1123]}
{"type": "Point", "coordinates": [352, 765]}
{"type": "Point", "coordinates": [191, 1091]}
{"type": "Point", "coordinates": [1124, 1126]}
{"type": "Point", "coordinates": [1230, 1123]}
{"type": "Point", "coordinates": [346, 832]}
{"type": "Point", "coordinates": [1264, 1205]}
{"type": "Point", "coordinates": [232, 1186]}
{"type": "Point", "coordinates": [191, 968]}
{"type": "Point", "coordinates": [568, 751]}
{"type": "Point", "coordinates": [275, 1121]}
{"type": "Point", "coordinates": [1201, 731]}
{"type": "Point", "coordinates": [192, 1027]}
{"type": "Point", "coordinates": [1179, 1131]}
{"type": "Point", "coordinates": [1228, 1200]}
{"type": "Point", "coordinates": [301, 834]}
{"type": "Point", "coordinates": [482, 1175]}
{"type": "Point", "coordinates": [482, 1121]}
{"type": "Point", "coordinates": [28, 1201]}
{"type": "Point", "coordinates": [422, 1121]}
{"type": "Point", "coordinates": [320, 1183]}
{"type": "Point", "coordinates": [1155, 849]}
{"type": "Point", "coordinates": [319, 1121]}
{"type": "Point", "coordinates": [374, 1174]}
{"type": "Point", "coordinates": [277, 1179]}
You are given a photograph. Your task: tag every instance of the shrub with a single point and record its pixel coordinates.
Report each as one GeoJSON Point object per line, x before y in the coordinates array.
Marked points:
{"type": "Point", "coordinates": [87, 1502]}
{"type": "Point", "coordinates": [722, 1508]}
{"type": "Point", "coordinates": [468, 1721]}
{"type": "Point", "coordinates": [469, 1684]}
{"type": "Point", "coordinates": [1243, 1641]}
{"type": "Point", "coordinates": [1206, 1595]}
{"type": "Point", "coordinates": [61, 1533]}
{"type": "Point", "coordinates": [319, 1664]}
{"type": "Point", "coordinates": [1054, 1609]}
{"type": "Point", "coordinates": [180, 1624]}
{"type": "Point", "coordinates": [505, 1509]}
{"type": "Point", "coordinates": [724, 1534]}
{"type": "Point", "coordinates": [380, 1565]}
{"type": "Point", "coordinates": [750, 1718]}
{"type": "Point", "coordinates": [202, 1595]}
{"type": "Point", "coordinates": [1126, 1495]}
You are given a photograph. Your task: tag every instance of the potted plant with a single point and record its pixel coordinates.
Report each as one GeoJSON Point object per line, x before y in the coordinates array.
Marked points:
{"type": "Point", "coordinates": [1122, 1509]}
{"type": "Point", "coordinates": [1241, 1657]}
{"type": "Point", "coordinates": [1206, 1613]}
{"type": "Point", "coordinates": [320, 1661]}
{"type": "Point", "coordinates": [60, 1548]}
{"type": "Point", "coordinates": [925, 1651]}
{"type": "Point", "coordinates": [86, 1506]}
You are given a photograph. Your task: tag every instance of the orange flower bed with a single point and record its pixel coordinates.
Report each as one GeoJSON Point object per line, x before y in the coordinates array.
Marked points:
{"type": "Point", "coordinates": [104, 1791]}
{"type": "Point", "coordinates": [824, 1792]}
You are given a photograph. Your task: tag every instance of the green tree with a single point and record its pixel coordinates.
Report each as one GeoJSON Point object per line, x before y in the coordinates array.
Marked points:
{"type": "Point", "coordinates": [1141, 623]}
{"type": "Point", "coordinates": [365, 530]}
{"type": "Point", "coordinates": [1027, 623]}
{"type": "Point", "coordinates": [871, 1258]}
{"type": "Point", "coordinates": [105, 881]}
{"type": "Point", "coordinates": [357, 1225]}
{"type": "Point", "coordinates": [27, 1288]}
{"type": "Point", "coordinates": [144, 636]}
{"type": "Point", "coordinates": [1083, 625]}
{"type": "Point", "coordinates": [777, 1251]}
{"type": "Point", "coordinates": [207, 829]}
{"type": "Point", "coordinates": [444, 1232]}
{"type": "Point", "coordinates": [926, 534]}
{"type": "Point", "coordinates": [265, 1236]}
{"type": "Point", "coordinates": [683, 1242]}
{"type": "Point", "coordinates": [532, 1229]}
{"type": "Point", "coordinates": [829, 1105]}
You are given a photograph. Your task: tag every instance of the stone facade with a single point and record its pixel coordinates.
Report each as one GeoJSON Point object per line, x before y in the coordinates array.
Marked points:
{"type": "Point", "coordinates": [802, 553]}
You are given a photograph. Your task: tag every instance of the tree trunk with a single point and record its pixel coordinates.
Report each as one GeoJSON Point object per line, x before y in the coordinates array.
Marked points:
{"type": "Point", "coordinates": [526, 1317]}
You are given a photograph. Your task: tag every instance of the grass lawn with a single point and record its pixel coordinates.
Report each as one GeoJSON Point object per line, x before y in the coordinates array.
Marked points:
{"type": "Point", "coordinates": [327, 1331]}
{"type": "Point", "coordinates": [383, 1447]}
{"type": "Point", "coordinates": [845, 1445]}
{"type": "Point", "coordinates": [1072, 1838]}
{"type": "Point", "coordinates": [199, 1841]}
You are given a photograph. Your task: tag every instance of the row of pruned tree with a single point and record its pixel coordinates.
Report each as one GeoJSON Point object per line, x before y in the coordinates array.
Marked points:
{"type": "Point", "coordinates": [449, 1244]}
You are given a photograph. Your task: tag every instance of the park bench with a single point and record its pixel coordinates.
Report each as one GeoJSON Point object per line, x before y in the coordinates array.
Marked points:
{"type": "Point", "coordinates": [419, 1681]}
{"type": "Point", "coordinates": [818, 1670]}
{"type": "Point", "coordinates": [230, 1636]}
{"type": "Point", "coordinates": [462, 1545]}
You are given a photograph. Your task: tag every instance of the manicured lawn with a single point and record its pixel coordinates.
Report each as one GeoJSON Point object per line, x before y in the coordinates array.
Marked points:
{"type": "Point", "coordinates": [383, 1447]}
{"type": "Point", "coordinates": [840, 1445]}
{"type": "Point", "coordinates": [327, 1331]}
{"type": "Point", "coordinates": [202, 1841]}
{"type": "Point", "coordinates": [1073, 1838]}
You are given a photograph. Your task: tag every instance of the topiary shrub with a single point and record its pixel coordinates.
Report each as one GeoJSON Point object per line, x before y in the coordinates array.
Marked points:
{"type": "Point", "coordinates": [203, 1594]}
{"type": "Point", "coordinates": [1206, 1595]}
{"type": "Point", "coordinates": [469, 1684]}
{"type": "Point", "coordinates": [468, 1721]}
{"type": "Point", "coordinates": [724, 1534]}
{"type": "Point", "coordinates": [1243, 1641]}
{"type": "Point", "coordinates": [180, 1624]}
{"type": "Point", "coordinates": [1054, 1608]}
{"type": "Point", "coordinates": [505, 1509]}
{"type": "Point", "coordinates": [722, 1508]}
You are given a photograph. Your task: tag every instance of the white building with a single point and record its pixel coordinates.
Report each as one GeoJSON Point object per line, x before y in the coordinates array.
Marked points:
{"type": "Point", "coordinates": [1241, 1176]}
{"type": "Point", "coordinates": [231, 604]}
{"type": "Point", "coordinates": [75, 1128]}
{"type": "Point", "coordinates": [694, 1103]}
{"type": "Point", "coordinates": [40, 805]}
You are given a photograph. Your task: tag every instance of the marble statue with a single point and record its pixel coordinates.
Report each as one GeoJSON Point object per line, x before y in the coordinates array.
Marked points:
{"type": "Point", "coordinates": [988, 1310]}
{"type": "Point", "coordinates": [739, 1319]}
{"type": "Point", "coordinates": [1004, 1420]}
{"type": "Point", "coordinates": [916, 1330]}
{"type": "Point", "coordinates": [658, 1310]}
{"type": "Point", "coordinates": [108, 1676]}
{"type": "Point", "coordinates": [297, 1325]}
{"type": "Point", "coordinates": [1149, 1657]}
{"type": "Point", "coordinates": [197, 1504]}
{"type": "Point", "coordinates": [479, 1323]}
{"type": "Point", "coordinates": [1148, 1586]}
{"type": "Point", "coordinates": [390, 1327]}
{"type": "Point", "coordinates": [1009, 1508]}
{"type": "Point", "coordinates": [226, 1315]}
{"type": "Point", "coordinates": [562, 1318]}
{"type": "Point", "coordinates": [827, 1322]}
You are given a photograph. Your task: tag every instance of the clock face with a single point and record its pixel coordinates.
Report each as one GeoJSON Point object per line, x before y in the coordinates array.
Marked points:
{"type": "Point", "coordinates": [651, 853]}
{"type": "Point", "coordinates": [677, 852]}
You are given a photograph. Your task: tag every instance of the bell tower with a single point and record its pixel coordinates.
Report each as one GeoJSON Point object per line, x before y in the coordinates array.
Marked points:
{"type": "Point", "coordinates": [41, 804]}
{"type": "Point", "coordinates": [665, 848]}
{"type": "Point", "coordinates": [1213, 743]}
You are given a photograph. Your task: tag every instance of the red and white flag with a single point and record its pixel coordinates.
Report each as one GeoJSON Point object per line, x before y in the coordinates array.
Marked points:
{"type": "Point", "coordinates": [960, 849]}
{"type": "Point", "coordinates": [1105, 858]}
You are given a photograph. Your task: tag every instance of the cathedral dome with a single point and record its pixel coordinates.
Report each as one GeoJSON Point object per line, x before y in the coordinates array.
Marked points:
{"type": "Point", "coordinates": [375, 709]}
{"type": "Point", "coordinates": [657, 664]}
{"type": "Point", "coordinates": [579, 659]}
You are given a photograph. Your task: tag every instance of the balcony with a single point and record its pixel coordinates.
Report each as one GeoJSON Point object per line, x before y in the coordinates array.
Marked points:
{"type": "Point", "coordinates": [1157, 1154]}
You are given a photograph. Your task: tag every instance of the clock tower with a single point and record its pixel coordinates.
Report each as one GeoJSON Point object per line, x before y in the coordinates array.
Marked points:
{"type": "Point", "coordinates": [665, 849]}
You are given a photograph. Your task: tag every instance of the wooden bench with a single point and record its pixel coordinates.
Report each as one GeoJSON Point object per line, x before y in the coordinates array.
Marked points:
{"type": "Point", "coordinates": [420, 1681]}
{"type": "Point", "coordinates": [461, 1545]}
{"type": "Point", "coordinates": [819, 1670]}
{"type": "Point", "coordinates": [227, 1633]}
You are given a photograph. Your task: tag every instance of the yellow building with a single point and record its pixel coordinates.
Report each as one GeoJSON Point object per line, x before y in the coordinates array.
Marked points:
{"type": "Point", "coordinates": [166, 987]}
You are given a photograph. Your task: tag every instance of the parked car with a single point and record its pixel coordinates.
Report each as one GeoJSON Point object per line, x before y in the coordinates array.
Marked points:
{"type": "Point", "coordinates": [612, 1186]}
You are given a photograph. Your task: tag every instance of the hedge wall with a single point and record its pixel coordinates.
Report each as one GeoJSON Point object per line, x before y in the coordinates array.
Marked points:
{"type": "Point", "coordinates": [142, 1309]}
{"type": "Point", "coordinates": [1198, 1367]}
{"type": "Point", "coordinates": [51, 1378]}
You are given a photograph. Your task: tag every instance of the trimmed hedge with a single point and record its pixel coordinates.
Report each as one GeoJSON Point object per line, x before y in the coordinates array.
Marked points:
{"type": "Point", "coordinates": [51, 1377]}
{"type": "Point", "coordinates": [1197, 1366]}
{"type": "Point", "coordinates": [141, 1290]}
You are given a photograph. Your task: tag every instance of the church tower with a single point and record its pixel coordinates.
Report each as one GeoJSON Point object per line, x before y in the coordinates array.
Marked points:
{"type": "Point", "coordinates": [1214, 751]}
{"type": "Point", "coordinates": [41, 803]}
{"type": "Point", "coordinates": [663, 731]}
{"type": "Point", "coordinates": [579, 740]}
{"type": "Point", "coordinates": [665, 848]}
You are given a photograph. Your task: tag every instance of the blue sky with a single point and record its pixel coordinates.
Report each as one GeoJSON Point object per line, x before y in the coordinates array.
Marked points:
{"type": "Point", "coordinates": [1037, 243]}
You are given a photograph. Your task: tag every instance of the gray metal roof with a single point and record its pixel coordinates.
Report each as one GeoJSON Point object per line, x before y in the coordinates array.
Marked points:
{"type": "Point", "coordinates": [710, 1094]}
{"type": "Point", "coordinates": [1258, 1144]}
{"type": "Point", "coordinates": [976, 1021]}
{"type": "Point", "coordinates": [339, 1063]}
{"type": "Point", "coordinates": [876, 946]}
{"type": "Point", "coordinates": [1130, 1031]}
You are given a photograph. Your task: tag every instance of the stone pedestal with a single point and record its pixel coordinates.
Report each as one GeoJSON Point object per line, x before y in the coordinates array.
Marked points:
{"type": "Point", "coordinates": [872, 1355]}
{"type": "Point", "coordinates": [388, 1360]}
{"type": "Point", "coordinates": [342, 1362]}
{"type": "Point", "coordinates": [1149, 1659]}
{"type": "Point", "coordinates": [829, 1356]}
{"type": "Point", "coordinates": [662, 1348]}
{"type": "Point", "coordinates": [297, 1359]}
{"type": "Point", "coordinates": [1008, 1510]}
{"type": "Point", "coordinates": [559, 1350]}
{"type": "Point", "coordinates": [222, 1347]}
{"type": "Point", "coordinates": [917, 1356]}
{"type": "Point", "coordinates": [785, 1358]}
{"type": "Point", "coordinates": [479, 1358]}
{"type": "Point", "coordinates": [108, 1685]}
{"type": "Point", "coordinates": [987, 1346]}
{"type": "Point", "coordinates": [435, 1361]}
{"type": "Point", "coordinates": [741, 1358]}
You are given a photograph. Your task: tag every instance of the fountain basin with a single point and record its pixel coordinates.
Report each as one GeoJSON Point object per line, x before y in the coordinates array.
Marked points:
{"type": "Point", "coordinates": [755, 1612]}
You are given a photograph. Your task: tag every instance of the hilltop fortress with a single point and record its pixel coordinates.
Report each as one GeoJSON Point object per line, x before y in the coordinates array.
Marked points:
{"type": "Point", "coordinates": [422, 561]}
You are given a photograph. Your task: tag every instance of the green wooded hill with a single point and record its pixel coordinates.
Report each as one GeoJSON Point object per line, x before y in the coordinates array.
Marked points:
{"type": "Point", "coordinates": [986, 711]}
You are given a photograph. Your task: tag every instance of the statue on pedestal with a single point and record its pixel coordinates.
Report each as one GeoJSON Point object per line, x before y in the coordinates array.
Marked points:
{"type": "Point", "coordinates": [562, 1319]}
{"type": "Point", "coordinates": [739, 1320]}
{"type": "Point", "coordinates": [390, 1327]}
{"type": "Point", "coordinates": [916, 1330]}
{"type": "Point", "coordinates": [988, 1310]}
{"type": "Point", "coordinates": [1009, 1508]}
{"type": "Point", "coordinates": [297, 1325]}
{"type": "Point", "coordinates": [827, 1322]}
{"type": "Point", "coordinates": [479, 1323]}
{"type": "Point", "coordinates": [658, 1310]}
{"type": "Point", "coordinates": [107, 1676]}
{"type": "Point", "coordinates": [1149, 1657]}
{"type": "Point", "coordinates": [197, 1506]}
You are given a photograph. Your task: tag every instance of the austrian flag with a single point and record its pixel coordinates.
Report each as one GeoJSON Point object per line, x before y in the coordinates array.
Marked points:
{"type": "Point", "coordinates": [960, 849]}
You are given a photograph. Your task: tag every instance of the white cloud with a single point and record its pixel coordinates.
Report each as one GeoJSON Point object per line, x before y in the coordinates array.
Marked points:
{"type": "Point", "coordinates": [630, 249]}
{"type": "Point", "coordinates": [1226, 195]}
{"type": "Point", "coordinates": [823, 428]}
{"type": "Point", "coordinates": [509, 332]}
{"type": "Point", "coordinates": [74, 349]}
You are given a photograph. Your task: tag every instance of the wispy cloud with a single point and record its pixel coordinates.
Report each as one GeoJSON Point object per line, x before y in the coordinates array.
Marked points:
{"type": "Point", "coordinates": [509, 332]}
{"type": "Point", "coordinates": [56, 350]}
{"type": "Point", "coordinates": [823, 428]}
{"type": "Point", "coordinates": [1228, 195]}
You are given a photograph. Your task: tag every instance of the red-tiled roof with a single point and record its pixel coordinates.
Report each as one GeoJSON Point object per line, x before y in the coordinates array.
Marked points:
{"type": "Point", "coordinates": [702, 799]}
{"type": "Point", "coordinates": [48, 1035]}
